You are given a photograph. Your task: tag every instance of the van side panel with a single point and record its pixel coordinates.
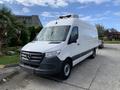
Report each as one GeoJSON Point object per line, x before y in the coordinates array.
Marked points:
{"type": "Point", "coordinates": [88, 40]}
{"type": "Point", "coordinates": [88, 37]}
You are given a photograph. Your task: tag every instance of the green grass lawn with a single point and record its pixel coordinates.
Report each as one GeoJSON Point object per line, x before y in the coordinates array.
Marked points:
{"type": "Point", "coordinates": [9, 59]}
{"type": "Point", "coordinates": [112, 42]}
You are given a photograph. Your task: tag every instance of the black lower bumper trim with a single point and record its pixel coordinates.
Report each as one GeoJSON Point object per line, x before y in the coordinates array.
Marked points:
{"type": "Point", "coordinates": [47, 66]}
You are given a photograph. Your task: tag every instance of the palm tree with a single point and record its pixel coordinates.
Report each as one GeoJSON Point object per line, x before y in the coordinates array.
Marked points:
{"type": "Point", "coordinates": [101, 29]}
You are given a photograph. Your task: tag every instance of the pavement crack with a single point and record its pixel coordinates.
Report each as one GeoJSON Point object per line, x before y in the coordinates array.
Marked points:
{"type": "Point", "coordinates": [74, 85]}
{"type": "Point", "coordinates": [94, 77]}
{"type": "Point", "coordinates": [66, 83]}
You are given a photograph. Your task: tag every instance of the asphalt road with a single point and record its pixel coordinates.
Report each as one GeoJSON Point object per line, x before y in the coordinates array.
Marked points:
{"type": "Point", "coordinates": [101, 73]}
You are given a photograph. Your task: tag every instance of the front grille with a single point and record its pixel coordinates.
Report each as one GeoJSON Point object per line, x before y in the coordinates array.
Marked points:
{"type": "Point", "coordinates": [32, 56]}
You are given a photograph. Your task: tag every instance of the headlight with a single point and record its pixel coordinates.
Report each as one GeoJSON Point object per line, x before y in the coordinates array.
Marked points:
{"type": "Point", "coordinates": [53, 53]}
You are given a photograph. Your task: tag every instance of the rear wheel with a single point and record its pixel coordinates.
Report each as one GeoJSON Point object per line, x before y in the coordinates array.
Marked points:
{"type": "Point", "coordinates": [93, 54]}
{"type": "Point", "coordinates": [66, 70]}
{"type": "Point", "coordinates": [101, 46]}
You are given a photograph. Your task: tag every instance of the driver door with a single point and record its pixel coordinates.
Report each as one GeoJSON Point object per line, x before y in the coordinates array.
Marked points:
{"type": "Point", "coordinates": [73, 45]}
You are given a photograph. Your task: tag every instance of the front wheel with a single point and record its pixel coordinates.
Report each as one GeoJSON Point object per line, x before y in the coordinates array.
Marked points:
{"type": "Point", "coordinates": [66, 70]}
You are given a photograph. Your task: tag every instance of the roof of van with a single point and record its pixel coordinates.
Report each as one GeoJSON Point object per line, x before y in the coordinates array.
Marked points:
{"type": "Point", "coordinates": [67, 21]}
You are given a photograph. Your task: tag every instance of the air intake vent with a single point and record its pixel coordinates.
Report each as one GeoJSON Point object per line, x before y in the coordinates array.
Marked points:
{"type": "Point", "coordinates": [69, 16]}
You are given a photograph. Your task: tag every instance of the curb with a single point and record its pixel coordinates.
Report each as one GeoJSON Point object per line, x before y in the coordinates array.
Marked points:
{"type": "Point", "coordinates": [8, 75]}
{"type": "Point", "coordinates": [11, 65]}
{"type": "Point", "coordinates": [8, 65]}
{"type": "Point", "coordinates": [2, 66]}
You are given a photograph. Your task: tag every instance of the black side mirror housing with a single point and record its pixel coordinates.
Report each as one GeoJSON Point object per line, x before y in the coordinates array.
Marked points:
{"type": "Point", "coordinates": [73, 39]}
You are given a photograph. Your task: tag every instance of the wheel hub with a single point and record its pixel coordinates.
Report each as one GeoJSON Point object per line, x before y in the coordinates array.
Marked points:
{"type": "Point", "coordinates": [67, 69]}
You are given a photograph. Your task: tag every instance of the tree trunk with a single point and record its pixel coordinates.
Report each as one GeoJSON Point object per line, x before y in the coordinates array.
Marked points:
{"type": "Point", "coordinates": [0, 48]}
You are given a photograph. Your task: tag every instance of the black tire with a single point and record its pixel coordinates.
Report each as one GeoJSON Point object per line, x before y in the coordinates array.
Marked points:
{"type": "Point", "coordinates": [100, 46]}
{"type": "Point", "coordinates": [93, 54]}
{"type": "Point", "coordinates": [66, 70]}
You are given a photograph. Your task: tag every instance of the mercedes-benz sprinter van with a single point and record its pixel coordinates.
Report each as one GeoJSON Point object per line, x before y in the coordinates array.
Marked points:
{"type": "Point", "coordinates": [59, 46]}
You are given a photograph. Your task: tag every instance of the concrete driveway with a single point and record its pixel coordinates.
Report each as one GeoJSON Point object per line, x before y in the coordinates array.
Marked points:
{"type": "Point", "coordinates": [101, 73]}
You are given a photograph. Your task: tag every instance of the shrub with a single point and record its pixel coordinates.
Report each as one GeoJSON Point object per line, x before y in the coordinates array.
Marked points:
{"type": "Point", "coordinates": [34, 31]}
{"type": "Point", "coordinates": [24, 37]}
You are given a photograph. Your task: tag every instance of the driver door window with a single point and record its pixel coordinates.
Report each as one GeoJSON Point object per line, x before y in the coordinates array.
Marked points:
{"type": "Point", "coordinates": [74, 34]}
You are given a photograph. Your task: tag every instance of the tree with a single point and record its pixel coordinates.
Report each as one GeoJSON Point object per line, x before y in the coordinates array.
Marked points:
{"type": "Point", "coordinates": [113, 30]}
{"type": "Point", "coordinates": [12, 32]}
{"type": "Point", "coordinates": [34, 31]}
{"type": "Point", "coordinates": [6, 24]}
{"type": "Point", "coordinates": [101, 29]}
{"type": "Point", "coordinates": [20, 36]}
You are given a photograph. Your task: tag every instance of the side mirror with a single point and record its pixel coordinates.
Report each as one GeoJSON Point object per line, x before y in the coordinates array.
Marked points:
{"type": "Point", "coordinates": [73, 39]}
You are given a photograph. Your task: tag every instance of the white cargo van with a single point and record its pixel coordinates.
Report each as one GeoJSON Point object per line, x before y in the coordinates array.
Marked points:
{"type": "Point", "coordinates": [59, 46]}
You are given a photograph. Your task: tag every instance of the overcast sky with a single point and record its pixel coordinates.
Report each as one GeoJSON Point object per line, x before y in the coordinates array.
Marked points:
{"type": "Point", "coordinates": [105, 12]}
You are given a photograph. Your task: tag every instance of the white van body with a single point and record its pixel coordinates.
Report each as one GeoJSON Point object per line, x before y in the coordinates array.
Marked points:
{"type": "Point", "coordinates": [84, 46]}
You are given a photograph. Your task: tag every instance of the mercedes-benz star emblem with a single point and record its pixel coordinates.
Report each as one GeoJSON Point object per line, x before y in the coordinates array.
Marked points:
{"type": "Point", "coordinates": [29, 56]}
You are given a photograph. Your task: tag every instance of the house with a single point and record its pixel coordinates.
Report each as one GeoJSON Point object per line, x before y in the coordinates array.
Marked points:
{"type": "Point", "coordinates": [29, 21]}
{"type": "Point", "coordinates": [115, 35]}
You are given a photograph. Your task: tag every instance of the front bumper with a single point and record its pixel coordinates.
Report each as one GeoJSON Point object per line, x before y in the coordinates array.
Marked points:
{"type": "Point", "coordinates": [47, 66]}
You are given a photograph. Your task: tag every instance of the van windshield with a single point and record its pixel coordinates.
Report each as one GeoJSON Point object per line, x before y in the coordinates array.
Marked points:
{"type": "Point", "coordinates": [53, 33]}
